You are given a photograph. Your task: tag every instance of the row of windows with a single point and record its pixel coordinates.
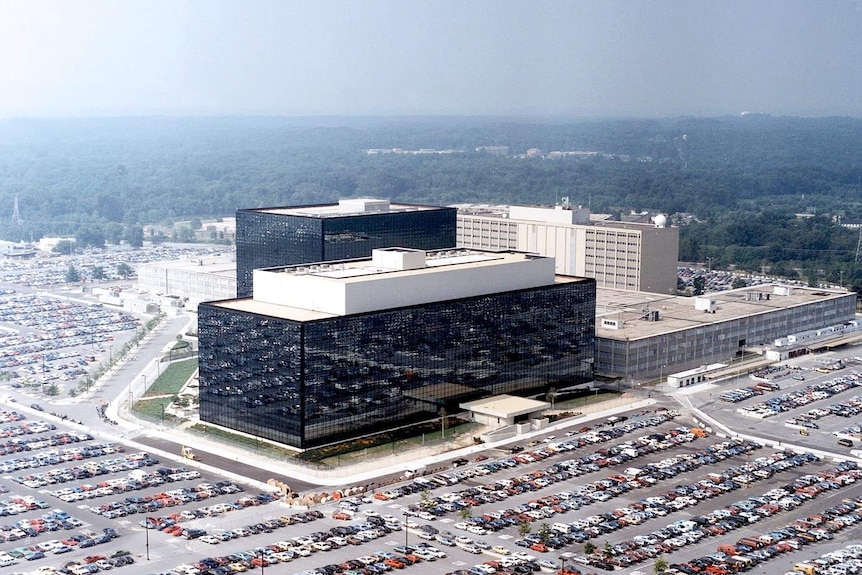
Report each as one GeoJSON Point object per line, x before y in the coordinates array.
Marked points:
{"type": "Point", "coordinates": [267, 240]}
{"type": "Point", "coordinates": [716, 342]}
{"type": "Point", "coordinates": [317, 382]}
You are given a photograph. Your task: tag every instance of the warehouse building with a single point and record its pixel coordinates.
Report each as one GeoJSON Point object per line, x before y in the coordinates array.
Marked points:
{"type": "Point", "coordinates": [642, 335]}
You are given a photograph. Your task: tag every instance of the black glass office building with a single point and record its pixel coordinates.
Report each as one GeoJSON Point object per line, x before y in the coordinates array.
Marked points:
{"type": "Point", "coordinates": [309, 383]}
{"type": "Point", "coordinates": [268, 237]}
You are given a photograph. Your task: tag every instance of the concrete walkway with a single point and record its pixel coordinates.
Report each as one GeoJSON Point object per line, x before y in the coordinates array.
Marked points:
{"type": "Point", "coordinates": [364, 472]}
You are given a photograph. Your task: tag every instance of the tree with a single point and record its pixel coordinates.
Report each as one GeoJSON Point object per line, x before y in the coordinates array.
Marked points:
{"type": "Point", "coordinates": [443, 421]}
{"type": "Point", "coordinates": [589, 548]}
{"type": "Point", "coordinates": [466, 512]}
{"type": "Point", "coordinates": [98, 273]}
{"type": "Point", "coordinates": [608, 548]}
{"type": "Point", "coordinates": [699, 285]}
{"type": "Point", "coordinates": [425, 496]}
{"type": "Point", "coordinates": [660, 565]}
{"type": "Point", "coordinates": [545, 532]}
{"type": "Point", "coordinates": [738, 282]}
{"type": "Point", "coordinates": [72, 275]}
{"type": "Point", "coordinates": [524, 528]}
{"type": "Point", "coordinates": [124, 270]}
{"type": "Point", "coordinates": [184, 234]}
{"type": "Point", "coordinates": [64, 247]}
{"type": "Point", "coordinates": [114, 233]}
{"type": "Point", "coordinates": [196, 223]}
{"type": "Point", "coordinates": [90, 236]}
{"type": "Point", "coordinates": [134, 236]}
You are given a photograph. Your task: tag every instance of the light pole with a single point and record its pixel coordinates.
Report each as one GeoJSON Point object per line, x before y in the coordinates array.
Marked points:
{"type": "Point", "coordinates": [405, 532]}
{"type": "Point", "coordinates": [562, 565]}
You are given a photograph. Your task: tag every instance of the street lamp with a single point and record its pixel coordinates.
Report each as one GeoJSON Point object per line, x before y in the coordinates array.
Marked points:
{"type": "Point", "coordinates": [405, 531]}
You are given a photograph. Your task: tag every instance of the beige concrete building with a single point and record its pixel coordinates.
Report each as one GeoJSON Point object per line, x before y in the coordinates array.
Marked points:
{"type": "Point", "coordinates": [619, 255]}
{"type": "Point", "coordinates": [195, 279]}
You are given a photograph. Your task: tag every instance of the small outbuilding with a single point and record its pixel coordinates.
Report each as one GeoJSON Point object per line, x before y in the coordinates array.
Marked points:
{"type": "Point", "coordinates": [501, 410]}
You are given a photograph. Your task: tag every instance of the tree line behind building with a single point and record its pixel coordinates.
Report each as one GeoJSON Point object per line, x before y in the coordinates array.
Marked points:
{"type": "Point", "coordinates": [735, 183]}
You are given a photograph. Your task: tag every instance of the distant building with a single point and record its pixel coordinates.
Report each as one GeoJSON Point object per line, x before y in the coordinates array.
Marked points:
{"type": "Point", "coordinates": [268, 237]}
{"type": "Point", "coordinates": [494, 150]}
{"type": "Point", "coordinates": [48, 244]}
{"type": "Point", "coordinates": [194, 279]}
{"type": "Point", "coordinates": [334, 350]}
{"type": "Point", "coordinates": [620, 255]}
{"type": "Point", "coordinates": [14, 251]}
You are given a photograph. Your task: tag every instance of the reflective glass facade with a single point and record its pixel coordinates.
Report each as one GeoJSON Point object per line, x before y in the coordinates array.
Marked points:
{"type": "Point", "coordinates": [266, 238]}
{"type": "Point", "coordinates": [316, 382]}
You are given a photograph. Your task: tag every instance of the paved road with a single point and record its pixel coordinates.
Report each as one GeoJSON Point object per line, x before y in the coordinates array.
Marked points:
{"type": "Point", "coordinates": [229, 464]}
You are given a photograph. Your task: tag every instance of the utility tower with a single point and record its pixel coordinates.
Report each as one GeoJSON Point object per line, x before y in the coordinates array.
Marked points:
{"type": "Point", "coordinates": [859, 248]}
{"type": "Point", "coordinates": [16, 215]}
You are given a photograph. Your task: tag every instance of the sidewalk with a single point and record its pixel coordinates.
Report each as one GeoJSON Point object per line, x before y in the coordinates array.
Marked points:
{"type": "Point", "coordinates": [363, 473]}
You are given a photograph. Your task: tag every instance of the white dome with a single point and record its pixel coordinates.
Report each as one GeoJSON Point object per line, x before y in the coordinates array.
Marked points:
{"type": "Point", "coordinates": [660, 221]}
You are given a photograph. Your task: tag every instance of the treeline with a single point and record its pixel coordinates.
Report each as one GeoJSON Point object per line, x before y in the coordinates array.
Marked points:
{"type": "Point", "coordinates": [776, 242]}
{"type": "Point", "coordinates": [742, 178]}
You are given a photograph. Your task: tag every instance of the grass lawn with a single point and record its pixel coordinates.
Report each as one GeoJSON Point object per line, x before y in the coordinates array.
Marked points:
{"type": "Point", "coordinates": [153, 408]}
{"type": "Point", "coordinates": [173, 378]}
{"type": "Point", "coordinates": [250, 443]}
{"type": "Point", "coordinates": [399, 445]}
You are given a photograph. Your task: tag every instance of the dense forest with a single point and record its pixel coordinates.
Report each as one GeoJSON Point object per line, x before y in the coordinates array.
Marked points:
{"type": "Point", "coordinates": [733, 184]}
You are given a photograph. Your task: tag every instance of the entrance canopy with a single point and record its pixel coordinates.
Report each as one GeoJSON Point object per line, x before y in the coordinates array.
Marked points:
{"type": "Point", "coordinates": [504, 408]}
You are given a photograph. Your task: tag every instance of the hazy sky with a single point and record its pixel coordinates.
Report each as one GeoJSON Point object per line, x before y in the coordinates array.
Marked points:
{"type": "Point", "coordinates": [348, 57]}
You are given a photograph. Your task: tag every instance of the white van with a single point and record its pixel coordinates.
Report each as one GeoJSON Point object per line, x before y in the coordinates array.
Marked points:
{"type": "Point", "coordinates": [414, 471]}
{"type": "Point", "coordinates": [562, 528]}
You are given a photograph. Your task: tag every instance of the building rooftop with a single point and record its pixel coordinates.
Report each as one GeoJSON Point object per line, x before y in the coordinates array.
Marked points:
{"type": "Point", "coordinates": [562, 214]}
{"type": "Point", "coordinates": [345, 208]}
{"type": "Point", "coordinates": [216, 265]}
{"type": "Point", "coordinates": [392, 278]}
{"type": "Point", "coordinates": [631, 315]}
{"type": "Point", "coordinates": [505, 406]}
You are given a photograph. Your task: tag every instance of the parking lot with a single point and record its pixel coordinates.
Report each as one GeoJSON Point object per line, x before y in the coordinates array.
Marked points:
{"type": "Point", "coordinates": [810, 406]}
{"type": "Point", "coordinates": [52, 334]}
{"type": "Point", "coordinates": [52, 341]}
{"type": "Point", "coordinates": [652, 485]}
